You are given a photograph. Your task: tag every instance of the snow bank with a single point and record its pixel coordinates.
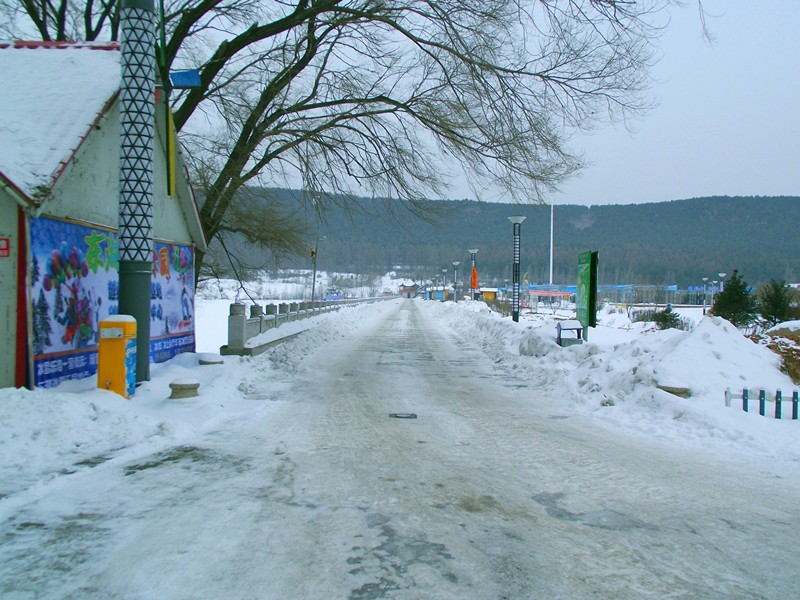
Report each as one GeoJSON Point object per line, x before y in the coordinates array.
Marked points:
{"type": "Point", "coordinates": [50, 432]}
{"type": "Point", "coordinates": [788, 325]}
{"type": "Point", "coordinates": [617, 378]}
{"type": "Point", "coordinates": [55, 431]}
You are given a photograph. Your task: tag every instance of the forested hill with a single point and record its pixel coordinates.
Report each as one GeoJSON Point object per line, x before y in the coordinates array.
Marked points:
{"type": "Point", "coordinates": [676, 242]}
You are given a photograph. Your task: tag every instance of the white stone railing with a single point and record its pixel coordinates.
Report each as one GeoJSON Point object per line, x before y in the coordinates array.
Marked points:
{"type": "Point", "coordinates": [241, 328]}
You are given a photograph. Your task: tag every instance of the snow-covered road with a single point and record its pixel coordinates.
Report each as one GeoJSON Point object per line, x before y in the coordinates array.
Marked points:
{"type": "Point", "coordinates": [494, 491]}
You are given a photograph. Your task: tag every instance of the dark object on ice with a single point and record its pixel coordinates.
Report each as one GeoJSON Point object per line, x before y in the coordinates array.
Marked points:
{"type": "Point", "coordinates": [403, 415]}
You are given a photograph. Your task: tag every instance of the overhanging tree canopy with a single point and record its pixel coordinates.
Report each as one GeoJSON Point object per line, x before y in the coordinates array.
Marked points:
{"type": "Point", "coordinates": [382, 97]}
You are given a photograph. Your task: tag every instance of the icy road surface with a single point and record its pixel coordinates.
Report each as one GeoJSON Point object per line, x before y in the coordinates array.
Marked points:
{"type": "Point", "coordinates": [491, 492]}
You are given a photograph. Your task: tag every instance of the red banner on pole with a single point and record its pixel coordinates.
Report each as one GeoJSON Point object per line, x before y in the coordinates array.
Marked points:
{"type": "Point", "coordinates": [474, 278]}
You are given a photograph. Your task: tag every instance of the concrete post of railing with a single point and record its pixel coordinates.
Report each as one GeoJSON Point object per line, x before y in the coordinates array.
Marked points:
{"type": "Point", "coordinates": [728, 397]}
{"type": "Point", "coordinates": [293, 308]}
{"type": "Point", "coordinates": [280, 313]}
{"type": "Point", "coordinates": [762, 402]}
{"type": "Point", "coordinates": [778, 402]}
{"type": "Point", "coordinates": [237, 326]}
{"type": "Point", "coordinates": [256, 311]}
{"type": "Point", "coordinates": [794, 405]}
{"type": "Point", "coordinates": [272, 311]}
{"type": "Point", "coordinates": [745, 399]}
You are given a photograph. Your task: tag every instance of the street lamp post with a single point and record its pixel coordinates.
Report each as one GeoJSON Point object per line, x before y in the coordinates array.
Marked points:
{"type": "Point", "coordinates": [455, 279]}
{"type": "Point", "coordinates": [551, 244]}
{"type": "Point", "coordinates": [444, 282]}
{"type": "Point", "coordinates": [517, 223]}
{"type": "Point", "coordinates": [721, 281]}
{"type": "Point", "coordinates": [136, 134]}
{"type": "Point", "coordinates": [713, 287]}
{"type": "Point", "coordinates": [705, 281]}
{"type": "Point", "coordinates": [314, 268]}
{"type": "Point", "coordinates": [473, 290]}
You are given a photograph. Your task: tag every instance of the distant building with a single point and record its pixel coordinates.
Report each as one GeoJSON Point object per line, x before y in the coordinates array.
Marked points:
{"type": "Point", "coordinates": [59, 190]}
{"type": "Point", "coordinates": [488, 294]}
{"type": "Point", "coordinates": [409, 291]}
{"type": "Point", "coordinates": [438, 293]}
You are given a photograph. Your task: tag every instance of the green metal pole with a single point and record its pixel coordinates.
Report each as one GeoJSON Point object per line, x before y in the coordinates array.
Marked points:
{"type": "Point", "coordinates": [137, 124]}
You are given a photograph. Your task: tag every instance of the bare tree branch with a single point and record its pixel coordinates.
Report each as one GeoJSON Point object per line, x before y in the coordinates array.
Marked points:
{"type": "Point", "coordinates": [376, 96]}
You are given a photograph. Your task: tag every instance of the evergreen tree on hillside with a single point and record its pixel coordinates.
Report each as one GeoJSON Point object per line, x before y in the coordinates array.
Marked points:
{"type": "Point", "coordinates": [775, 302]}
{"type": "Point", "coordinates": [735, 303]}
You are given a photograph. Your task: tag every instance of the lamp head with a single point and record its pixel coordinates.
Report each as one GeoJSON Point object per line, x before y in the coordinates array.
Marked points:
{"type": "Point", "coordinates": [516, 220]}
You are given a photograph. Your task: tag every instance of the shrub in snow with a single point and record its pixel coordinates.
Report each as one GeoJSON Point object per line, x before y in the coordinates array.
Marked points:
{"type": "Point", "coordinates": [664, 319]}
{"type": "Point", "coordinates": [735, 303]}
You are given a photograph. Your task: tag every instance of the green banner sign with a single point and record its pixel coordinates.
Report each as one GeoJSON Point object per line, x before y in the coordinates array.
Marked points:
{"type": "Point", "coordinates": [586, 299]}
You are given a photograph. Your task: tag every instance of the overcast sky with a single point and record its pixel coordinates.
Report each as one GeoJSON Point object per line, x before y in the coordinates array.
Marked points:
{"type": "Point", "coordinates": [728, 119]}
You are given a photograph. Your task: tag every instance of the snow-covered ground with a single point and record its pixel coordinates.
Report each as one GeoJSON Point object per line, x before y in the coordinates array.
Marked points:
{"type": "Point", "coordinates": [615, 378]}
{"type": "Point", "coordinates": [62, 450]}
{"type": "Point", "coordinates": [295, 285]}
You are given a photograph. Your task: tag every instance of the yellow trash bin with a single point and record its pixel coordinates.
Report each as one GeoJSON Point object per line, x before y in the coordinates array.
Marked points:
{"type": "Point", "coordinates": [116, 355]}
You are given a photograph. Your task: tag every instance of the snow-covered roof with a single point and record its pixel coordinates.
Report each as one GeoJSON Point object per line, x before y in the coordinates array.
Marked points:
{"type": "Point", "coordinates": [50, 97]}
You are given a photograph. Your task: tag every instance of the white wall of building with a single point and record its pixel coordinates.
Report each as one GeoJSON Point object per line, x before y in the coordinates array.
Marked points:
{"type": "Point", "coordinates": [88, 190]}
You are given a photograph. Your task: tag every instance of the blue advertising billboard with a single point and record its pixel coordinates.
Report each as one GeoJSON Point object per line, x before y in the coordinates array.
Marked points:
{"type": "Point", "coordinates": [74, 284]}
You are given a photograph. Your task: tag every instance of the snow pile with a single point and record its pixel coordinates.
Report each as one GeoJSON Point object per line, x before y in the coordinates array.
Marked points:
{"type": "Point", "coordinates": [623, 384]}
{"type": "Point", "coordinates": [788, 325]}
{"type": "Point", "coordinates": [50, 432]}
{"type": "Point", "coordinates": [716, 355]}
{"type": "Point", "coordinates": [36, 445]}
{"type": "Point", "coordinates": [56, 431]}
